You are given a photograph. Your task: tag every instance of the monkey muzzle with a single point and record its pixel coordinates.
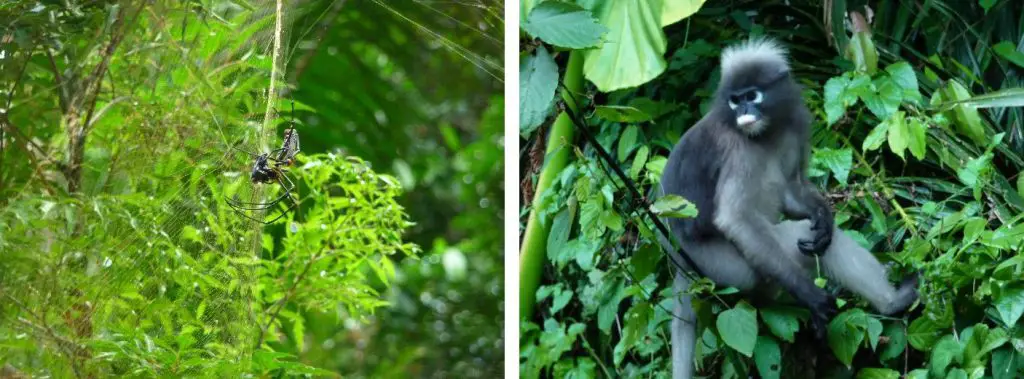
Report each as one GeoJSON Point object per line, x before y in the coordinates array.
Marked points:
{"type": "Point", "coordinates": [749, 118]}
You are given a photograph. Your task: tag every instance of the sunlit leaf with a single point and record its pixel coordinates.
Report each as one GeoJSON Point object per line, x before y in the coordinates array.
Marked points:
{"type": "Point", "coordinates": [861, 51]}
{"type": "Point", "coordinates": [675, 10]}
{"type": "Point", "coordinates": [898, 134]}
{"type": "Point", "coordinates": [634, 48]}
{"type": "Point", "coordinates": [878, 373]}
{"type": "Point", "coordinates": [674, 206]}
{"type": "Point", "coordinates": [564, 24]}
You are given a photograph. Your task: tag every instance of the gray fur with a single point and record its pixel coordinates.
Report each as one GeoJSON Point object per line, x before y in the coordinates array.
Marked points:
{"type": "Point", "coordinates": [743, 179]}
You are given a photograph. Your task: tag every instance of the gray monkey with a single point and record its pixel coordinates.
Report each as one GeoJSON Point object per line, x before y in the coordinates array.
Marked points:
{"type": "Point", "coordinates": [744, 166]}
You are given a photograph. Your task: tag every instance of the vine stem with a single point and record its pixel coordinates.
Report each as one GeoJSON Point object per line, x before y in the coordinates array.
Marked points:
{"type": "Point", "coordinates": [261, 145]}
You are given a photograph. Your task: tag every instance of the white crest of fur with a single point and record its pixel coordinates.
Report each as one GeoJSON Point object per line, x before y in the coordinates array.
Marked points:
{"type": "Point", "coordinates": [752, 51]}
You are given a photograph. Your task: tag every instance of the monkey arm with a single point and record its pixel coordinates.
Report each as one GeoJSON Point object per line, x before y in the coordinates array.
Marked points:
{"type": "Point", "coordinates": [803, 201]}
{"type": "Point", "coordinates": [755, 238]}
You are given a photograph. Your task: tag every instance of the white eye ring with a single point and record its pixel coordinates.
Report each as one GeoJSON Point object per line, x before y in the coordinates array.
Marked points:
{"type": "Point", "coordinates": [758, 97]}
{"type": "Point", "coordinates": [732, 105]}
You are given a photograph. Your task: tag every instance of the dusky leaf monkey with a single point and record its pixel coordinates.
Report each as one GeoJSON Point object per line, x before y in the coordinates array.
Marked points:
{"type": "Point", "coordinates": [744, 166]}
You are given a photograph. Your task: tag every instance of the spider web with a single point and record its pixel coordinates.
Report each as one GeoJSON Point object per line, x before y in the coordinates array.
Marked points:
{"type": "Point", "coordinates": [194, 257]}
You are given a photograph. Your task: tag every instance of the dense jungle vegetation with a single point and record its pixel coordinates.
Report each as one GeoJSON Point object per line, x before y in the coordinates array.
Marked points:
{"type": "Point", "coordinates": [122, 131]}
{"type": "Point", "coordinates": [918, 143]}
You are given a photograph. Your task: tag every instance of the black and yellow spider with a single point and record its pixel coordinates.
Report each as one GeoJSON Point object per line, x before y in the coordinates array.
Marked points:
{"type": "Point", "coordinates": [271, 167]}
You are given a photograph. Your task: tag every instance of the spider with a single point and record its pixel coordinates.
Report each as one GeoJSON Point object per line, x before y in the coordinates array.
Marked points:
{"type": "Point", "coordinates": [270, 168]}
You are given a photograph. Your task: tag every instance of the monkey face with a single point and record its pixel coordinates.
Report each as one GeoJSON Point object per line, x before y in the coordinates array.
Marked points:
{"type": "Point", "coordinates": [746, 105]}
{"type": "Point", "coordinates": [757, 97]}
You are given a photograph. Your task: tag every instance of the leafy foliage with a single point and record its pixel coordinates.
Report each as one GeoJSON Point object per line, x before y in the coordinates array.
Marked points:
{"type": "Point", "coordinates": [140, 269]}
{"type": "Point", "coordinates": [916, 141]}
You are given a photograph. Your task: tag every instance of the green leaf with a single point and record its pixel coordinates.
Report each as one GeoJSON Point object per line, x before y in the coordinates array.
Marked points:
{"type": "Point", "coordinates": [675, 10]}
{"type": "Point", "coordinates": [639, 161]}
{"type": "Point", "coordinates": [838, 97]}
{"type": "Point", "coordinates": [878, 373]}
{"type": "Point", "coordinates": [1020, 183]}
{"type": "Point", "coordinates": [874, 139]}
{"type": "Point", "coordinates": [1009, 97]}
{"type": "Point", "coordinates": [957, 373]}
{"type": "Point", "coordinates": [861, 51]}
{"type": "Point", "coordinates": [636, 319]}
{"type": "Point", "coordinates": [590, 213]}
{"type": "Point", "coordinates": [611, 219]}
{"type": "Point", "coordinates": [902, 74]}
{"type": "Point", "coordinates": [645, 260]}
{"type": "Point", "coordinates": [783, 322]}
{"type": "Point", "coordinates": [845, 334]}
{"type": "Point", "coordinates": [538, 79]}
{"type": "Point", "coordinates": [971, 173]}
{"type": "Point", "coordinates": [923, 333]}
{"type": "Point", "coordinates": [1008, 51]}
{"type": "Point", "coordinates": [652, 108]}
{"type": "Point", "coordinates": [897, 341]}
{"type": "Point", "coordinates": [1004, 363]}
{"type": "Point", "coordinates": [561, 299]}
{"type": "Point", "coordinates": [674, 206]}
{"type": "Point", "coordinates": [627, 141]}
{"type": "Point", "coordinates": [738, 328]}
{"type": "Point", "coordinates": [917, 374]}
{"type": "Point", "coordinates": [945, 352]}
{"type": "Point", "coordinates": [839, 161]}
{"type": "Point", "coordinates": [559, 234]}
{"type": "Point", "coordinates": [634, 48]}
{"type": "Point", "coordinates": [609, 309]}
{"type": "Point", "coordinates": [874, 330]}
{"type": "Point", "coordinates": [767, 357]}
{"type": "Point", "coordinates": [986, 4]}
{"type": "Point", "coordinates": [898, 134]}
{"type": "Point", "coordinates": [564, 24]}
{"type": "Point", "coordinates": [1010, 305]}
{"type": "Point", "coordinates": [965, 117]}
{"type": "Point", "coordinates": [621, 113]}
{"type": "Point", "coordinates": [888, 99]}
{"type": "Point", "coordinates": [916, 138]}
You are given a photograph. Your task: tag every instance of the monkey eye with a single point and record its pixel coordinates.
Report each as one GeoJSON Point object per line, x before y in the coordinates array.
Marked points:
{"type": "Point", "coordinates": [732, 104]}
{"type": "Point", "coordinates": [757, 97]}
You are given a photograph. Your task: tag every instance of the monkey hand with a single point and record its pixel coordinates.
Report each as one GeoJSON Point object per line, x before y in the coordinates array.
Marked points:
{"type": "Point", "coordinates": [822, 228]}
{"type": "Point", "coordinates": [821, 314]}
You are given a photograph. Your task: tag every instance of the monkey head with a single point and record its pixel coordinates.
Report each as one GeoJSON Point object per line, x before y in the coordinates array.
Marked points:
{"type": "Point", "coordinates": [756, 90]}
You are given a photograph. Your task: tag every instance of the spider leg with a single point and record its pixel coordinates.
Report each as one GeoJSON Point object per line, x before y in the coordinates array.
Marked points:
{"type": "Point", "coordinates": [250, 206]}
{"type": "Point", "coordinates": [244, 151]}
{"type": "Point", "coordinates": [281, 178]}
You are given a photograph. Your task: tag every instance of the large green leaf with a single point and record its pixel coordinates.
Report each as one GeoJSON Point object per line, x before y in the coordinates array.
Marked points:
{"type": "Point", "coordinates": [862, 52]}
{"type": "Point", "coordinates": [767, 357]}
{"type": "Point", "coordinates": [675, 10]}
{"type": "Point", "coordinates": [634, 48]}
{"type": "Point", "coordinates": [1010, 305]}
{"type": "Point", "coordinates": [738, 328]}
{"type": "Point", "coordinates": [538, 79]}
{"type": "Point", "coordinates": [966, 118]}
{"type": "Point", "coordinates": [783, 322]}
{"type": "Point", "coordinates": [1010, 97]}
{"type": "Point", "coordinates": [565, 25]}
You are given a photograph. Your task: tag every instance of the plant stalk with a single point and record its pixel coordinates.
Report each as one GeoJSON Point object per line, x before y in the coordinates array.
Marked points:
{"type": "Point", "coordinates": [534, 246]}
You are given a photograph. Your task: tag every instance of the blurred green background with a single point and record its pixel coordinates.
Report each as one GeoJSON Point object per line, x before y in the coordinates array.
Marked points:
{"type": "Point", "coordinates": [414, 88]}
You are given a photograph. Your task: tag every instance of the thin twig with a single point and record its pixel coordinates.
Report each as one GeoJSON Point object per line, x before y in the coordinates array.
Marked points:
{"type": "Point", "coordinates": [279, 305]}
